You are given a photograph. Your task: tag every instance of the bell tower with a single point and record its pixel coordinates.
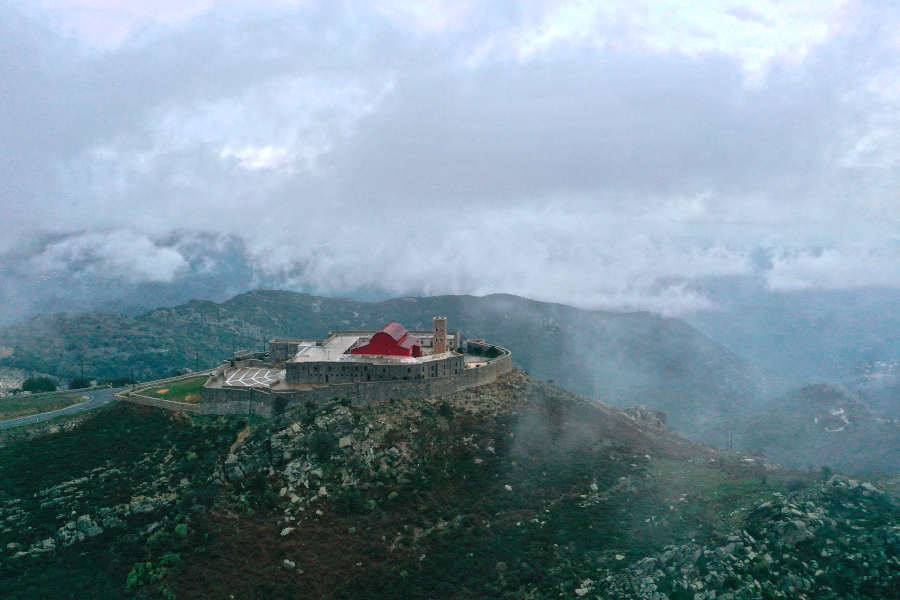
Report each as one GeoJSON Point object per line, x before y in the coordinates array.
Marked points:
{"type": "Point", "coordinates": [440, 335]}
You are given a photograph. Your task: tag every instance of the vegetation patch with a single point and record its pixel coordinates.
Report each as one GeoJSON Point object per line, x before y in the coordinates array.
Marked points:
{"type": "Point", "coordinates": [106, 509]}
{"type": "Point", "coordinates": [21, 406]}
{"type": "Point", "coordinates": [189, 391]}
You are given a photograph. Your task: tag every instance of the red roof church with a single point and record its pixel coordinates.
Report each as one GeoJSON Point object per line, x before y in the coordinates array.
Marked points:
{"type": "Point", "coordinates": [393, 340]}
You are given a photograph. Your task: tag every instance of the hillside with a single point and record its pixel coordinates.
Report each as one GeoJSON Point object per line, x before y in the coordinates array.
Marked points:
{"type": "Point", "coordinates": [621, 359]}
{"type": "Point", "coordinates": [879, 387]}
{"type": "Point", "coordinates": [807, 336]}
{"type": "Point", "coordinates": [512, 490]}
{"type": "Point", "coordinates": [822, 425]}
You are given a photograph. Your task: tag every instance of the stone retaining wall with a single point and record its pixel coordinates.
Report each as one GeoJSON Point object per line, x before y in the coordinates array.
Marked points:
{"type": "Point", "coordinates": [266, 403]}
{"type": "Point", "coordinates": [160, 402]}
{"type": "Point", "coordinates": [137, 398]}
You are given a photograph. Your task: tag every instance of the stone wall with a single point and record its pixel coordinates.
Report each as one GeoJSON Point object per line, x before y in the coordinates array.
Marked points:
{"type": "Point", "coordinates": [137, 398]}
{"type": "Point", "coordinates": [317, 372]}
{"type": "Point", "coordinates": [268, 403]}
{"type": "Point", "coordinates": [160, 403]}
{"type": "Point", "coordinates": [281, 350]}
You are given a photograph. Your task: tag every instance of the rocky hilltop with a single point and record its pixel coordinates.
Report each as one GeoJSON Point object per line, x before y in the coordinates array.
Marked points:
{"type": "Point", "coordinates": [511, 490]}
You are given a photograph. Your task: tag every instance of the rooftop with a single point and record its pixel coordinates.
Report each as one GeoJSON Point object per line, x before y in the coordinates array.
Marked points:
{"type": "Point", "coordinates": [331, 349]}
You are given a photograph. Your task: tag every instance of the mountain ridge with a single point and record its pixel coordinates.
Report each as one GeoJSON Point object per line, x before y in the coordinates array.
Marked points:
{"type": "Point", "coordinates": [620, 358]}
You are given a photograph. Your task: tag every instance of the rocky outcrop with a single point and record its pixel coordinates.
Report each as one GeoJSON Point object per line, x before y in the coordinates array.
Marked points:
{"type": "Point", "coordinates": [828, 543]}
{"type": "Point", "coordinates": [647, 416]}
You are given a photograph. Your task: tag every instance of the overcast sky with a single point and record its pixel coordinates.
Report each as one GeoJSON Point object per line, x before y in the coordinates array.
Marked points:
{"type": "Point", "coordinates": [606, 155]}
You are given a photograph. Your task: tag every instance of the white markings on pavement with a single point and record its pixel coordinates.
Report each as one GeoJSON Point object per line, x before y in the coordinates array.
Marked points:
{"type": "Point", "coordinates": [253, 377]}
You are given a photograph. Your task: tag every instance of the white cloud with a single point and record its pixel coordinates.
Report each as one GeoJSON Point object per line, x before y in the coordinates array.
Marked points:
{"type": "Point", "coordinates": [606, 155]}
{"type": "Point", "coordinates": [106, 23]}
{"type": "Point", "coordinates": [836, 268]}
{"type": "Point", "coordinates": [254, 158]}
{"type": "Point", "coordinates": [755, 34]}
{"type": "Point", "coordinates": [117, 254]}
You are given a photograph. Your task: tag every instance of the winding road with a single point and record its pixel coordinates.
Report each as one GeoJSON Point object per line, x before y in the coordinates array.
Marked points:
{"type": "Point", "coordinates": [96, 398]}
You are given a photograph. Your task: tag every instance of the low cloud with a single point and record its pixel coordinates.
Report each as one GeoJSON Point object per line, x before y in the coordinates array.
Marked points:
{"type": "Point", "coordinates": [608, 159]}
{"type": "Point", "coordinates": [835, 269]}
{"type": "Point", "coordinates": [115, 254]}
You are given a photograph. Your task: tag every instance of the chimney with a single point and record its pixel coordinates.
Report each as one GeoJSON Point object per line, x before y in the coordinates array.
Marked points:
{"type": "Point", "coordinates": [440, 334]}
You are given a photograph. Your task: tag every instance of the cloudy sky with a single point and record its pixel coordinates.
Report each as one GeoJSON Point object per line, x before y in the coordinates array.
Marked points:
{"type": "Point", "coordinates": [603, 154]}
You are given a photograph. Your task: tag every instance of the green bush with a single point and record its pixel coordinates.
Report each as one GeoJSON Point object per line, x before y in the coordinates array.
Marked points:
{"type": "Point", "coordinates": [322, 444]}
{"type": "Point", "coordinates": [38, 384]}
{"type": "Point", "coordinates": [349, 501]}
{"type": "Point", "coordinates": [79, 383]}
{"type": "Point", "coordinates": [120, 381]}
{"type": "Point", "coordinates": [159, 539]}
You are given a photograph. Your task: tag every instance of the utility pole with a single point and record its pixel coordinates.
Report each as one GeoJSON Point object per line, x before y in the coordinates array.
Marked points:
{"type": "Point", "coordinates": [197, 361]}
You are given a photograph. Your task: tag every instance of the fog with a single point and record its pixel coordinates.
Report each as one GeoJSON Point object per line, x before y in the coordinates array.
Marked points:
{"type": "Point", "coordinates": [618, 158]}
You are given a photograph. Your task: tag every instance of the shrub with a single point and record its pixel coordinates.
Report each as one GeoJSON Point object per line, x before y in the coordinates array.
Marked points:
{"type": "Point", "coordinates": [445, 410]}
{"type": "Point", "coordinates": [159, 539]}
{"type": "Point", "coordinates": [349, 502]}
{"type": "Point", "coordinates": [796, 484]}
{"type": "Point", "coordinates": [39, 384]}
{"type": "Point", "coordinates": [79, 383]}
{"type": "Point", "coordinates": [309, 416]}
{"type": "Point", "coordinates": [322, 444]}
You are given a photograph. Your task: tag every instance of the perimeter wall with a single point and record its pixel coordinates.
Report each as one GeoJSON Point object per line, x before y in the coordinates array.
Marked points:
{"type": "Point", "coordinates": [266, 403]}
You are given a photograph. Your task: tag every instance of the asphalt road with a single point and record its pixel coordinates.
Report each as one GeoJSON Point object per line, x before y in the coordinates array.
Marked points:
{"type": "Point", "coordinates": [96, 398]}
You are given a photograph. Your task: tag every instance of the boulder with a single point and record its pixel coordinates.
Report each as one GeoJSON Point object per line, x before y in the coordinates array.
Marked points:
{"type": "Point", "coordinates": [143, 504]}
{"type": "Point", "coordinates": [88, 526]}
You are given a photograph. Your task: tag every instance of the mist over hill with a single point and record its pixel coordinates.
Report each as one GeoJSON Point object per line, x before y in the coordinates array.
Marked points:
{"type": "Point", "coordinates": [624, 359]}
{"type": "Point", "coordinates": [708, 392]}
{"type": "Point", "coordinates": [821, 425]}
{"type": "Point", "coordinates": [805, 336]}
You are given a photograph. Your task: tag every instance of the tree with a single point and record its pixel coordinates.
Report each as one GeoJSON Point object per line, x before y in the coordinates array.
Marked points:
{"type": "Point", "coordinates": [39, 384]}
{"type": "Point", "coordinates": [79, 383]}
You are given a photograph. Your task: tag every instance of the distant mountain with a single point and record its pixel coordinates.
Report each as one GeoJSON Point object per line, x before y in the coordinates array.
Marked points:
{"type": "Point", "coordinates": [620, 358]}
{"type": "Point", "coordinates": [802, 337]}
{"type": "Point", "coordinates": [823, 425]}
{"type": "Point", "coordinates": [879, 386]}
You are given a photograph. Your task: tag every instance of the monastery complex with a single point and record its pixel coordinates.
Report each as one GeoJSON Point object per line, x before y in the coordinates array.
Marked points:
{"type": "Point", "coordinates": [353, 367]}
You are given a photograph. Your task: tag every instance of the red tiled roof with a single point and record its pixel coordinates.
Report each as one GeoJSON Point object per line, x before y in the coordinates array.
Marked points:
{"type": "Point", "coordinates": [395, 330]}
{"type": "Point", "coordinates": [409, 341]}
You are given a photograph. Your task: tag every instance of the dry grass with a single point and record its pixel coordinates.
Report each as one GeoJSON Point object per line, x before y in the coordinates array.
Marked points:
{"type": "Point", "coordinates": [186, 390]}
{"type": "Point", "coordinates": [21, 406]}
